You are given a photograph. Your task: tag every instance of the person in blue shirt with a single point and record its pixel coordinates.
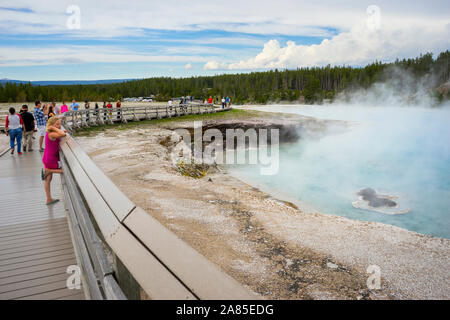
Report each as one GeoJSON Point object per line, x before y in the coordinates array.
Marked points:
{"type": "Point", "coordinates": [74, 106]}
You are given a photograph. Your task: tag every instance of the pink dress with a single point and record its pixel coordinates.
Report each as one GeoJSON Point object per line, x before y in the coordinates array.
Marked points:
{"type": "Point", "coordinates": [64, 108]}
{"type": "Point", "coordinates": [51, 153]}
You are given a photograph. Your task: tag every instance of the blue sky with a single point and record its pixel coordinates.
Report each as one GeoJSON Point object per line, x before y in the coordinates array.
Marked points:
{"type": "Point", "coordinates": [138, 39]}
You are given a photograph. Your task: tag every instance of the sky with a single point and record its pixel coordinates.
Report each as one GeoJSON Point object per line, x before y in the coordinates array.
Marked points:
{"type": "Point", "coordinates": [93, 40]}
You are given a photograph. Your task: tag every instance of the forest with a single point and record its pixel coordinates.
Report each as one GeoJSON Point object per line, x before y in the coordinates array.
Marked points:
{"type": "Point", "coordinates": [309, 85]}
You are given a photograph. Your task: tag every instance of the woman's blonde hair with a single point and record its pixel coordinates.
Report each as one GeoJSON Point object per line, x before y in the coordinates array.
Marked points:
{"type": "Point", "coordinates": [51, 122]}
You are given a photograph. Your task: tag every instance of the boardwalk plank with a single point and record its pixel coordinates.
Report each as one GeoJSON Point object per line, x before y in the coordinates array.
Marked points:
{"type": "Point", "coordinates": [33, 235]}
{"type": "Point", "coordinates": [35, 257]}
{"type": "Point", "coordinates": [33, 275]}
{"type": "Point", "coordinates": [78, 296]}
{"type": "Point", "coordinates": [53, 237]}
{"type": "Point", "coordinates": [30, 227]}
{"type": "Point", "coordinates": [44, 289]}
{"type": "Point", "coordinates": [32, 263]}
{"type": "Point", "coordinates": [60, 294]}
{"type": "Point", "coordinates": [62, 277]}
{"type": "Point", "coordinates": [46, 266]}
{"type": "Point", "coordinates": [48, 244]}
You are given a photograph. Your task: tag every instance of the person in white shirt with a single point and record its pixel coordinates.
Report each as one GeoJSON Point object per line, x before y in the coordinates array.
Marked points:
{"type": "Point", "coordinates": [14, 128]}
{"type": "Point", "coordinates": [170, 104]}
{"type": "Point", "coordinates": [56, 110]}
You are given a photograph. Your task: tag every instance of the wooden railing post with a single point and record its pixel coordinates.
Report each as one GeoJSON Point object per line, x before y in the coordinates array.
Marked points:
{"type": "Point", "coordinates": [99, 117]}
{"type": "Point", "coordinates": [135, 118]}
{"type": "Point", "coordinates": [122, 116]}
{"type": "Point", "coordinates": [148, 114]}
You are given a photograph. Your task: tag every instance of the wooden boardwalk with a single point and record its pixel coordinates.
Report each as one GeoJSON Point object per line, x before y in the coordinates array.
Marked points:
{"type": "Point", "coordinates": [35, 241]}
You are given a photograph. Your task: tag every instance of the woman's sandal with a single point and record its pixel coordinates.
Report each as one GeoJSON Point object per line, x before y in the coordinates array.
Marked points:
{"type": "Point", "coordinates": [53, 202]}
{"type": "Point", "coordinates": [44, 175]}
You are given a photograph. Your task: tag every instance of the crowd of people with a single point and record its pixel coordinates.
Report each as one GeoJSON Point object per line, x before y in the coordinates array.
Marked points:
{"type": "Point", "coordinates": [46, 122]}
{"type": "Point", "coordinates": [184, 101]}
{"type": "Point", "coordinates": [225, 101]}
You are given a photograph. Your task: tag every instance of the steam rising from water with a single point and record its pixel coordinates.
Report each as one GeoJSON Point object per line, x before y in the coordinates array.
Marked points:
{"type": "Point", "coordinates": [397, 87]}
{"type": "Point", "coordinates": [398, 150]}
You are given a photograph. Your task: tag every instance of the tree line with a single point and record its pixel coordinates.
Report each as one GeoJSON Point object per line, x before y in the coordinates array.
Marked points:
{"type": "Point", "coordinates": [311, 85]}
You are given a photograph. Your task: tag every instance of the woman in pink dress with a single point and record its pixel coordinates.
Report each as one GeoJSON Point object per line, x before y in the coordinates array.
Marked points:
{"type": "Point", "coordinates": [51, 155]}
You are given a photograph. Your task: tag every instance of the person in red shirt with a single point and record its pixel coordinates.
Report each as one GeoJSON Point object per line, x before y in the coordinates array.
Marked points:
{"type": "Point", "coordinates": [109, 106]}
{"type": "Point", "coordinates": [210, 100]}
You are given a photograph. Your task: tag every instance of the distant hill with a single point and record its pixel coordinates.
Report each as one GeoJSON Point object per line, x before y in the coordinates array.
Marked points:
{"type": "Point", "coordinates": [64, 82]}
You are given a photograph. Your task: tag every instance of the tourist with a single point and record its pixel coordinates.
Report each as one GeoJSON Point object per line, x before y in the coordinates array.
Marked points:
{"type": "Point", "coordinates": [109, 106]}
{"type": "Point", "coordinates": [74, 106]}
{"type": "Point", "coordinates": [64, 108]}
{"type": "Point", "coordinates": [86, 106]}
{"type": "Point", "coordinates": [96, 109]}
{"type": "Point", "coordinates": [210, 100]}
{"type": "Point", "coordinates": [118, 105]}
{"type": "Point", "coordinates": [41, 123]}
{"type": "Point", "coordinates": [228, 102]}
{"type": "Point", "coordinates": [14, 128]}
{"type": "Point", "coordinates": [223, 102]}
{"type": "Point", "coordinates": [55, 109]}
{"type": "Point", "coordinates": [49, 112]}
{"type": "Point", "coordinates": [28, 121]}
{"type": "Point", "coordinates": [50, 159]}
{"type": "Point", "coordinates": [104, 111]}
{"type": "Point", "coordinates": [170, 104]}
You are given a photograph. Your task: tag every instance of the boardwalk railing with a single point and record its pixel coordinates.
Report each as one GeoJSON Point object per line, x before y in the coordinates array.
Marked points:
{"type": "Point", "coordinates": [3, 115]}
{"type": "Point", "coordinates": [163, 265]}
{"type": "Point", "coordinates": [74, 120]}
{"type": "Point", "coordinates": [98, 274]}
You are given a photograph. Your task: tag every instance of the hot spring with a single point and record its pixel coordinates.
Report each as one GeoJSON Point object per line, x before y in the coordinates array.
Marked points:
{"type": "Point", "coordinates": [399, 154]}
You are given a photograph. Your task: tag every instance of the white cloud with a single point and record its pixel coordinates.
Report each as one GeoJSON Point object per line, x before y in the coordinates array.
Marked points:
{"type": "Point", "coordinates": [408, 30]}
{"type": "Point", "coordinates": [214, 65]}
{"type": "Point", "coordinates": [188, 66]}
{"type": "Point", "coordinates": [358, 46]}
{"type": "Point", "coordinates": [17, 56]}
{"type": "Point", "coordinates": [110, 18]}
